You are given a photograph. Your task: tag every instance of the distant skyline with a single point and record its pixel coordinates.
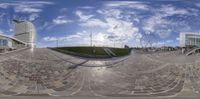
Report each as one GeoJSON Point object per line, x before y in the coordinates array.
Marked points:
{"type": "Point", "coordinates": [70, 22]}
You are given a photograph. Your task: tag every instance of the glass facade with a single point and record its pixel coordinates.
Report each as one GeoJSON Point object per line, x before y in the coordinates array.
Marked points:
{"type": "Point", "coordinates": [190, 39]}
{"type": "Point", "coordinates": [3, 42]}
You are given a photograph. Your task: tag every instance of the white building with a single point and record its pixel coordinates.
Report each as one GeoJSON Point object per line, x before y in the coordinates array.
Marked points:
{"type": "Point", "coordinates": [25, 31]}
{"type": "Point", "coordinates": [189, 39]}
{"type": "Point", "coordinates": [9, 43]}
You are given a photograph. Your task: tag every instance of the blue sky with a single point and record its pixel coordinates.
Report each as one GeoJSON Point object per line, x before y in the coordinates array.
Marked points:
{"type": "Point", "coordinates": [136, 22]}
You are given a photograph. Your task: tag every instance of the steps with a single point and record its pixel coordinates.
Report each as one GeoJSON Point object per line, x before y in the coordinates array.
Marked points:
{"type": "Point", "coordinates": [109, 52]}
{"type": "Point", "coordinates": [192, 51]}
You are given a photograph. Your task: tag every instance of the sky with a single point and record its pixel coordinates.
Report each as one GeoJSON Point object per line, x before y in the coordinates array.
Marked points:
{"type": "Point", "coordinates": [112, 23]}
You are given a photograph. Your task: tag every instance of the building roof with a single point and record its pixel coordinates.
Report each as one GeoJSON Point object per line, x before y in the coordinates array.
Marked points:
{"type": "Point", "coordinates": [12, 38]}
{"type": "Point", "coordinates": [194, 33]}
{"type": "Point", "coordinates": [20, 21]}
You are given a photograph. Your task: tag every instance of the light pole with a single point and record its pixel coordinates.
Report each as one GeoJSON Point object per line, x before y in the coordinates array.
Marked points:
{"type": "Point", "coordinates": [91, 39]}
{"type": "Point", "coordinates": [57, 43]}
{"type": "Point", "coordinates": [114, 42]}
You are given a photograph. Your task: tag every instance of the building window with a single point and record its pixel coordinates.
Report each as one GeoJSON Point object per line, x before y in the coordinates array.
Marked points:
{"type": "Point", "coordinates": [3, 42]}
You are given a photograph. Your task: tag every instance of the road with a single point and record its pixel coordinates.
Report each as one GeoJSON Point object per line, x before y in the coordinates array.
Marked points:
{"type": "Point", "coordinates": [44, 72]}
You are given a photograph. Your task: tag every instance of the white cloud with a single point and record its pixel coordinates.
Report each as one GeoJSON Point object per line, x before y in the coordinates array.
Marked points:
{"type": "Point", "coordinates": [121, 28]}
{"type": "Point", "coordinates": [50, 38]}
{"type": "Point", "coordinates": [197, 4]}
{"type": "Point", "coordinates": [25, 6]}
{"type": "Point", "coordinates": [124, 24]}
{"type": "Point", "coordinates": [124, 30]}
{"type": "Point", "coordinates": [164, 33]}
{"type": "Point", "coordinates": [63, 10]}
{"type": "Point", "coordinates": [177, 38]}
{"type": "Point", "coordinates": [61, 20]}
{"type": "Point", "coordinates": [11, 30]}
{"type": "Point", "coordinates": [82, 16]}
{"type": "Point", "coordinates": [128, 4]}
{"type": "Point", "coordinates": [169, 10]}
{"type": "Point", "coordinates": [86, 7]}
{"type": "Point", "coordinates": [154, 21]}
{"type": "Point", "coordinates": [33, 16]}
{"type": "Point", "coordinates": [169, 41]}
{"type": "Point", "coordinates": [26, 9]}
{"type": "Point", "coordinates": [159, 23]}
{"type": "Point", "coordinates": [83, 38]}
{"type": "Point", "coordinates": [112, 25]}
{"type": "Point", "coordinates": [1, 32]}
{"type": "Point", "coordinates": [89, 20]}
{"type": "Point", "coordinates": [94, 23]}
{"type": "Point", "coordinates": [116, 13]}
{"type": "Point", "coordinates": [163, 43]}
{"type": "Point", "coordinates": [2, 16]}
{"type": "Point", "coordinates": [158, 44]}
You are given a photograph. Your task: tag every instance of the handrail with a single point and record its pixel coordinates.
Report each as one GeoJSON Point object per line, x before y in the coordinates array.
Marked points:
{"type": "Point", "coordinates": [192, 51]}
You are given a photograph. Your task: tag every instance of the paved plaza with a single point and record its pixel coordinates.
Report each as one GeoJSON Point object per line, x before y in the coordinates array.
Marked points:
{"type": "Point", "coordinates": [44, 72]}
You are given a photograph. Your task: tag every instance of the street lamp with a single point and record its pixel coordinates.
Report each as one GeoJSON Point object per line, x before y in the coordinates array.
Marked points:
{"type": "Point", "coordinates": [91, 39]}
{"type": "Point", "coordinates": [57, 43]}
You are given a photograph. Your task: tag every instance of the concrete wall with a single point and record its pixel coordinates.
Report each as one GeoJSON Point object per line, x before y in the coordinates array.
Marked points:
{"type": "Point", "coordinates": [182, 39]}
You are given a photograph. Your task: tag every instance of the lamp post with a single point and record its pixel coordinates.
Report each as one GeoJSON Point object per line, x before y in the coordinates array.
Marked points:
{"type": "Point", "coordinates": [91, 39]}
{"type": "Point", "coordinates": [57, 43]}
{"type": "Point", "coordinates": [114, 43]}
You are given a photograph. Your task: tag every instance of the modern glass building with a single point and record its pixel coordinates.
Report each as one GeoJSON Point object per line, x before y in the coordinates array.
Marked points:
{"type": "Point", "coordinates": [189, 39]}
{"type": "Point", "coordinates": [25, 31]}
{"type": "Point", "coordinates": [9, 43]}
{"type": "Point", "coordinates": [3, 42]}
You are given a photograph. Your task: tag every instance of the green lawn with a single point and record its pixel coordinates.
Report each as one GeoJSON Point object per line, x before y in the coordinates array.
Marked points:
{"type": "Point", "coordinates": [84, 50]}
{"type": "Point", "coordinates": [93, 51]}
{"type": "Point", "coordinates": [121, 51]}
